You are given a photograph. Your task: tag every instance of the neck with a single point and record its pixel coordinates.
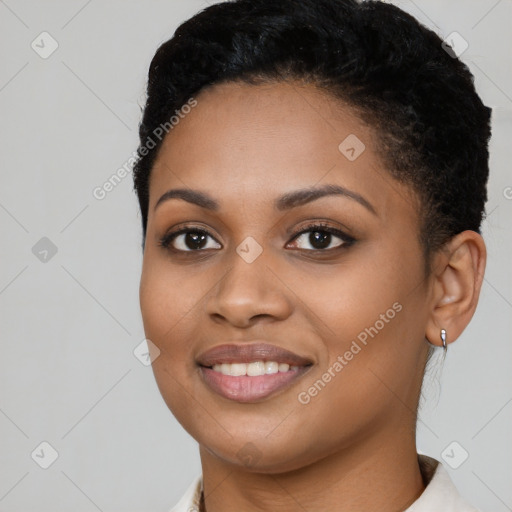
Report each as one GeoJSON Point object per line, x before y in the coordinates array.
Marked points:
{"type": "Point", "coordinates": [383, 475]}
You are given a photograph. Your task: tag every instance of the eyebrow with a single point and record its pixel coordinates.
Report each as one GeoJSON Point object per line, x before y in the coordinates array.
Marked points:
{"type": "Point", "coordinates": [285, 202]}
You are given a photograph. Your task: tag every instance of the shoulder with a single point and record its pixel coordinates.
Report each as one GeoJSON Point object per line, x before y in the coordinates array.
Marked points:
{"type": "Point", "coordinates": [189, 502]}
{"type": "Point", "coordinates": [440, 493]}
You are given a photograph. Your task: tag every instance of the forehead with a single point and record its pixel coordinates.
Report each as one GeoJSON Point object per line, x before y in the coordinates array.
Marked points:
{"type": "Point", "coordinates": [265, 140]}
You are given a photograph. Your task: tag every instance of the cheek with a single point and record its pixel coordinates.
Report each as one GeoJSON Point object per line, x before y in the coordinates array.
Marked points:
{"type": "Point", "coordinates": [166, 297]}
{"type": "Point", "coordinates": [171, 305]}
{"type": "Point", "coordinates": [164, 310]}
{"type": "Point", "coordinates": [370, 318]}
{"type": "Point", "coordinates": [346, 300]}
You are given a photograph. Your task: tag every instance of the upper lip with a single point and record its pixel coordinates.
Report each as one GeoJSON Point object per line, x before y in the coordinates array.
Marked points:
{"type": "Point", "coordinates": [248, 353]}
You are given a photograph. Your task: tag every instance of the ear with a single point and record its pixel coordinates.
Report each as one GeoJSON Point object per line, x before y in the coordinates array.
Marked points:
{"type": "Point", "coordinates": [458, 276]}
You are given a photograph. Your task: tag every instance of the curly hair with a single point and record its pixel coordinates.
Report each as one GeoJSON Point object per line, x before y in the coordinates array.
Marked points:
{"type": "Point", "coordinates": [432, 128]}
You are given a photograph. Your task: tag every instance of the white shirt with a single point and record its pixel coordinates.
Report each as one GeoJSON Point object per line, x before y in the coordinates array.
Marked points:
{"type": "Point", "coordinates": [440, 494]}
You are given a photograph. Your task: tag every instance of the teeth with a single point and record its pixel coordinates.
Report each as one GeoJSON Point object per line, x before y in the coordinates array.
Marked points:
{"type": "Point", "coordinates": [253, 369]}
{"type": "Point", "coordinates": [271, 367]}
{"type": "Point", "coordinates": [238, 369]}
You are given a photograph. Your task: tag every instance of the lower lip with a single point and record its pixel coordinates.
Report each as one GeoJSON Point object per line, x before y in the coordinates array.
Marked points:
{"type": "Point", "coordinates": [249, 389]}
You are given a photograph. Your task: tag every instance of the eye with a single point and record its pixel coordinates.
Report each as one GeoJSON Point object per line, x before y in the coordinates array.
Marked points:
{"type": "Point", "coordinates": [321, 237]}
{"type": "Point", "coordinates": [188, 239]}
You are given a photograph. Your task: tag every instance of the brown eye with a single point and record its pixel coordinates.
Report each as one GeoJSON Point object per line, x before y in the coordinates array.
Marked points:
{"type": "Point", "coordinates": [322, 237]}
{"type": "Point", "coordinates": [188, 240]}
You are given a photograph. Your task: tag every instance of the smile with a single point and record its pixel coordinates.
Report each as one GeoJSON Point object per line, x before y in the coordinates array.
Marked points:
{"type": "Point", "coordinates": [250, 372]}
{"type": "Point", "coordinates": [253, 369]}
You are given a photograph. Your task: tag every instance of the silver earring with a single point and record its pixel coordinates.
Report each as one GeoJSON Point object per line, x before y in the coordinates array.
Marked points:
{"type": "Point", "coordinates": [443, 339]}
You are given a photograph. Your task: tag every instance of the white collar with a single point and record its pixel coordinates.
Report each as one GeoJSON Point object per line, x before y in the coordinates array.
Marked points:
{"type": "Point", "coordinates": [440, 493]}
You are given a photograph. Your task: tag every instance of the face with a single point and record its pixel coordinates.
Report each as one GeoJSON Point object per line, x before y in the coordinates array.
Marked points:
{"type": "Point", "coordinates": [282, 279]}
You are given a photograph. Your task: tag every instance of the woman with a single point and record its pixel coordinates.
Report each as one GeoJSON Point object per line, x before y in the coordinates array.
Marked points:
{"type": "Point", "coordinates": [312, 178]}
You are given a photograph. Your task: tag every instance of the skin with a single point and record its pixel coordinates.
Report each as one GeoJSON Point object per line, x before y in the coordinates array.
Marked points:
{"type": "Point", "coordinates": [245, 146]}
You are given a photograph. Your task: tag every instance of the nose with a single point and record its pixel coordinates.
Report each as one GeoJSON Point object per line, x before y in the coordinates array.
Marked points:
{"type": "Point", "coordinates": [249, 293]}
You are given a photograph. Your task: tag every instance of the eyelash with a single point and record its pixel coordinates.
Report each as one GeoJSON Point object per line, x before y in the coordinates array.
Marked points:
{"type": "Point", "coordinates": [168, 238]}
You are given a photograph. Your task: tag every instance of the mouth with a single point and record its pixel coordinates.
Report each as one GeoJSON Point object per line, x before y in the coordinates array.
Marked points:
{"type": "Point", "coordinates": [250, 372]}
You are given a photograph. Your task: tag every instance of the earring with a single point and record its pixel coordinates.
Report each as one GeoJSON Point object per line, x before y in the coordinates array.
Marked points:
{"type": "Point", "coordinates": [443, 339]}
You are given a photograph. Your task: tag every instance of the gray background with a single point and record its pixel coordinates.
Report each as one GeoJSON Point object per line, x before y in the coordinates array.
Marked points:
{"type": "Point", "coordinates": [69, 324]}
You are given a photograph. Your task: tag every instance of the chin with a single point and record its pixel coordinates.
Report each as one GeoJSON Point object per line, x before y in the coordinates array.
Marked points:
{"type": "Point", "coordinates": [259, 459]}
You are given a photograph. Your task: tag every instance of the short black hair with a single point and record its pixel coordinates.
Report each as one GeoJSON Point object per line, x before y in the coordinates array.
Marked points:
{"type": "Point", "coordinates": [431, 126]}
